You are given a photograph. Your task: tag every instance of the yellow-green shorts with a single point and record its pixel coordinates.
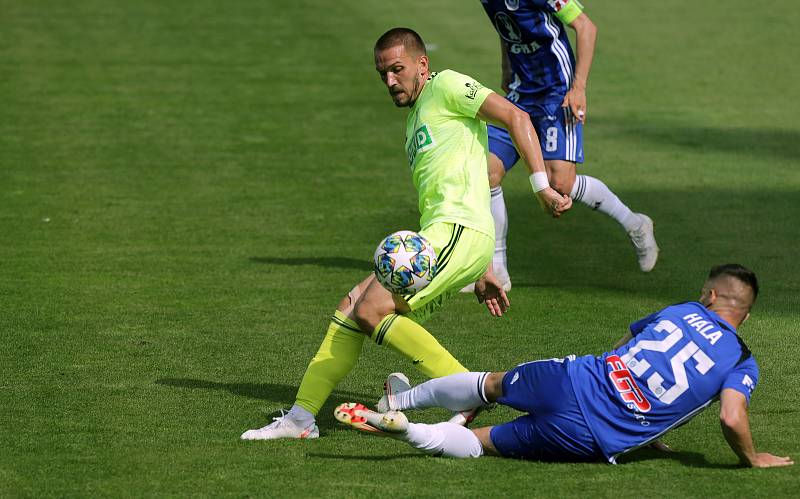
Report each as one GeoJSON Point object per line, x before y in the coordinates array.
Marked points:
{"type": "Point", "coordinates": [462, 256]}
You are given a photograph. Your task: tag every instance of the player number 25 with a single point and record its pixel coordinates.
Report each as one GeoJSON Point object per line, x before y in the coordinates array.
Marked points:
{"type": "Point", "coordinates": [656, 381]}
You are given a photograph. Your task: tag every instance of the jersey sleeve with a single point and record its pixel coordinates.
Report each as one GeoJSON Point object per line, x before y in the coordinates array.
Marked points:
{"type": "Point", "coordinates": [462, 95]}
{"type": "Point", "coordinates": [565, 10]}
{"type": "Point", "coordinates": [638, 326]}
{"type": "Point", "coordinates": [743, 378]}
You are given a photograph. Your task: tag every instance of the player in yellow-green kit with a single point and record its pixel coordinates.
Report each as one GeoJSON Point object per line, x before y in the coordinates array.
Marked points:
{"type": "Point", "coordinates": [446, 142]}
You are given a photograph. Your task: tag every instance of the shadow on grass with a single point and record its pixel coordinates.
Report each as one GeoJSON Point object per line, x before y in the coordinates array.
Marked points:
{"type": "Point", "coordinates": [366, 457]}
{"type": "Point", "coordinates": [690, 459]}
{"type": "Point", "coordinates": [774, 143]}
{"type": "Point", "coordinates": [263, 391]}
{"type": "Point", "coordinates": [334, 261]}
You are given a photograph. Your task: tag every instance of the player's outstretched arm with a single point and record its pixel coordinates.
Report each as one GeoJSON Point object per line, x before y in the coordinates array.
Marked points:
{"type": "Point", "coordinates": [736, 428]}
{"type": "Point", "coordinates": [585, 38]}
{"type": "Point", "coordinates": [499, 111]}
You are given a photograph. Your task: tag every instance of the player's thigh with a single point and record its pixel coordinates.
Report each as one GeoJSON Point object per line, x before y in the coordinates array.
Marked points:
{"type": "Point", "coordinates": [349, 301]}
{"type": "Point", "coordinates": [564, 436]}
{"type": "Point", "coordinates": [537, 387]}
{"type": "Point", "coordinates": [560, 136]}
{"type": "Point", "coordinates": [462, 256]}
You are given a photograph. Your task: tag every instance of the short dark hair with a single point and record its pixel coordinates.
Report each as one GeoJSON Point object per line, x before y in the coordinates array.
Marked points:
{"type": "Point", "coordinates": [406, 37]}
{"type": "Point", "coordinates": [740, 272]}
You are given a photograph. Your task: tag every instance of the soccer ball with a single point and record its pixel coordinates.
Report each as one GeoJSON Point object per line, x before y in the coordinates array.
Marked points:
{"type": "Point", "coordinates": [405, 262]}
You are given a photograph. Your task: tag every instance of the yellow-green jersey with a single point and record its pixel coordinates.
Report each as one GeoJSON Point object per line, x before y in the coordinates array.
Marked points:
{"type": "Point", "coordinates": [447, 150]}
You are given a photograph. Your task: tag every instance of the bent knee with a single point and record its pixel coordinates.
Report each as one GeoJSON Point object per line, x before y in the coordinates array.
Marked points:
{"type": "Point", "coordinates": [496, 178]}
{"type": "Point", "coordinates": [366, 318]}
{"type": "Point", "coordinates": [562, 185]}
{"type": "Point", "coordinates": [493, 386]}
{"type": "Point", "coordinates": [496, 171]}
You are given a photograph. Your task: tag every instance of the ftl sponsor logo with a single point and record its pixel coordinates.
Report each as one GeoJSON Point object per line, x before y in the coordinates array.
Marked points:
{"type": "Point", "coordinates": [624, 383]}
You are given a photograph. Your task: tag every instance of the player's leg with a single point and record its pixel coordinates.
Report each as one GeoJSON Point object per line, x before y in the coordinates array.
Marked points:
{"type": "Point", "coordinates": [457, 392]}
{"type": "Point", "coordinates": [441, 439]}
{"type": "Point", "coordinates": [561, 139]}
{"type": "Point", "coordinates": [370, 307]}
{"type": "Point", "coordinates": [334, 359]}
{"type": "Point", "coordinates": [502, 157]}
{"type": "Point", "coordinates": [555, 428]}
{"type": "Point", "coordinates": [590, 191]}
{"type": "Point", "coordinates": [462, 257]}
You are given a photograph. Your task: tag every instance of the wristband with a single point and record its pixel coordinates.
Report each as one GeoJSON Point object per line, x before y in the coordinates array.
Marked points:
{"type": "Point", "coordinates": [539, 181]}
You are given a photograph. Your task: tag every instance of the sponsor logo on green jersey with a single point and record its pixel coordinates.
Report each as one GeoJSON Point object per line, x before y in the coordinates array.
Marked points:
{"type": "Point", "coordinates": [421, 141]}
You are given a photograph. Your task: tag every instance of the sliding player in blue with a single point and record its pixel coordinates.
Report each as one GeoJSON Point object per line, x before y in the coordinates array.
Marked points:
{"type": "Point", "coordinates": [669, 367]}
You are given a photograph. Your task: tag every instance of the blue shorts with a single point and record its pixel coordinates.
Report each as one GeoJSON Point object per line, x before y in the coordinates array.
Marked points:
{"type": "Point", "coordinates": [554, 428]}
{"type": "Point", "coordinates": [559, 137]}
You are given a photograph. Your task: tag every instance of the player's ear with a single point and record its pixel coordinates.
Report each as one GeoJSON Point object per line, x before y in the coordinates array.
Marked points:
{"type": "Point", "coordinates": [422, 64]}
{"type": "Point", "coordinates": [709, 297]}
{"type": "Point", "coordinates": [706, 295]}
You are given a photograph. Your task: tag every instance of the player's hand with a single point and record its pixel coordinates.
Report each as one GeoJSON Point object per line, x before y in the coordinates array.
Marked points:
{"type": "Point", "coordinates": [576, 101]}
{"type": "Point", "coordinates": [552, 202]}
{"type": "Point", "coordinates": [767, 460]}
{"type": "Point", "coordinates": [489, 290]}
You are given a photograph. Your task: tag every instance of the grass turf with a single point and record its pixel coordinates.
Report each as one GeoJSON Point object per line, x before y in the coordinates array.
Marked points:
{"type": "Point", "coordinates": [189, 188]}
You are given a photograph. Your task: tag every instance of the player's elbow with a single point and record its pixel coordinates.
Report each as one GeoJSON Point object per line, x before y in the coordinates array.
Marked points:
{"type": "Point", "coordinates": [591, 28]}
{"type": "Point", "coordinates": [731, 418]}
{"type": "Point", "coordinates": [519, 120]}
{"type": "Point", "coordinates": [584, 26]}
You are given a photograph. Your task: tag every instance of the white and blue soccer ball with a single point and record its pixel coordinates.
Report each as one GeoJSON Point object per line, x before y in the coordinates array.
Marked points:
{"type": "Point", "coordinates": [405, 262]}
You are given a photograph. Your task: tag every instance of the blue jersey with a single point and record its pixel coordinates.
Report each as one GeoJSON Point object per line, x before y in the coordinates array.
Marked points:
{"type": "Point", "coordinates": [537, 45]}
{"type": "Point", "coordinates": [677, 363]}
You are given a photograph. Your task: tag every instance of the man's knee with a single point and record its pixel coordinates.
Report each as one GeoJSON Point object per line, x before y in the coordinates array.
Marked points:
{"type": "Point", "coordinates": [366, 317]}
{"type": "Point", "coordinates": [496, 171]}
{"type": "Point", "coordinates": [562, 176]}
{"type": "Point", "coordinates": [493, 386]}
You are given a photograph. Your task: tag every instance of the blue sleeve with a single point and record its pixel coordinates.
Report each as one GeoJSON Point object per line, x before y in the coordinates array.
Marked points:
{"type": "Point", "coordinates": [638, 326]}
{"type": "Point", "coordinates": [743, 378]}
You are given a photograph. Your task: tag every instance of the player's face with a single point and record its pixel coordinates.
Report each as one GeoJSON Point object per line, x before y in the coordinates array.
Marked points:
{"type": "Point", "coordinates": [402, 73]}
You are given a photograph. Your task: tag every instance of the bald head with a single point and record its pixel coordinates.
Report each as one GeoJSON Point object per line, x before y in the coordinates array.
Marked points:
{"type": "Point", "coordinates": [730, 291]}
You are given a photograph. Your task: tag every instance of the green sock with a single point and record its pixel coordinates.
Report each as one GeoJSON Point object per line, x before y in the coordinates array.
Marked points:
{"type": "Point", "coordinates": [415, 343]}
{"type": "Point", "coordinates": [336, 356]}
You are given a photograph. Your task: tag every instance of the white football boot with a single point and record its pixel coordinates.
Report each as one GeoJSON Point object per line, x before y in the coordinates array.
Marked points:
{"type": "Point", "coordinates": [395, 383]}
{"type": "Point", "coordinates": [282, 427]}
{"type": "Point", "coordinates": [358, 416]}
{"type": "Point", "coordinates": [644, 242]}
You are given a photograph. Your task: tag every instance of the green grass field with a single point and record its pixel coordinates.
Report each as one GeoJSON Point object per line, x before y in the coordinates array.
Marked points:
{"type": "Point", "coordinates": [188, 188]}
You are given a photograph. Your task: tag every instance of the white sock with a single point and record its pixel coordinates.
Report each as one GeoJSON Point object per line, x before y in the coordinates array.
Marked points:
{"type": "Point", "coordinates": [302, 417]}
{"type": "Point", "coordinates": [597, 196]}
{"type": "Point", "coordinates": [457, 392]}
{"type": "Point", "coordinates": [443, 439]}
{"type": "Point", "coordinates": [500, 215]}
